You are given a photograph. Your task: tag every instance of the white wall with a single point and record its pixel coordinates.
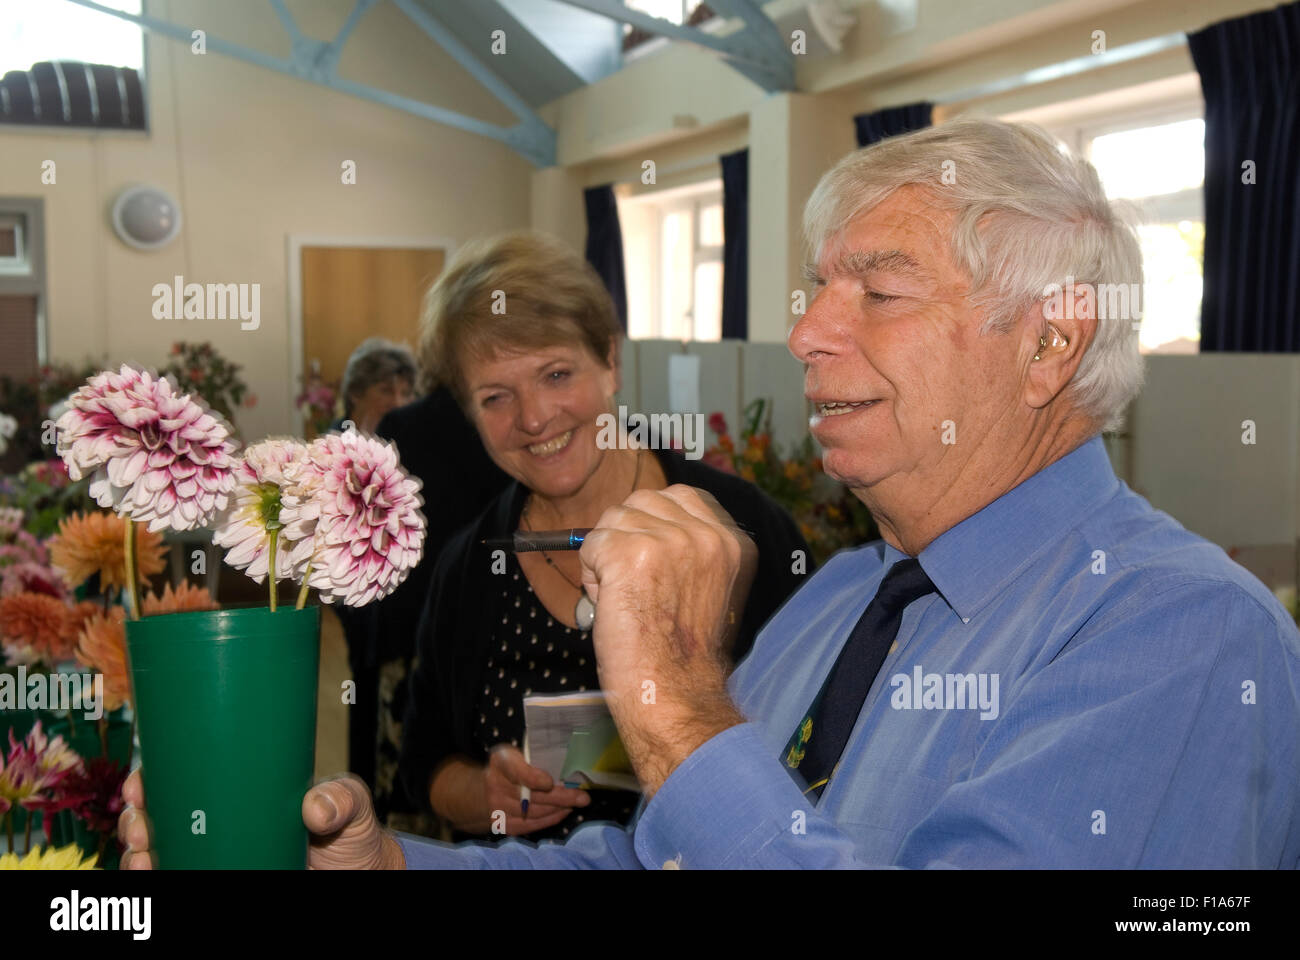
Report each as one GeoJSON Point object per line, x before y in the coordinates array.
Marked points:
{"type": "Point", "coordinates": [252, 156]}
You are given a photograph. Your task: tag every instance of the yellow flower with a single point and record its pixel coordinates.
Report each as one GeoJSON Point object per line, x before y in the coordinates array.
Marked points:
{"type": "Point", "coordinates": [89, 543]}
{"type": "Point", "coordinates": [47, 858]}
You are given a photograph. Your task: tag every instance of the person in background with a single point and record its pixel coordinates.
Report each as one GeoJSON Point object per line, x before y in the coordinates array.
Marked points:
{"type": "Point", "coordinates": [380, 375]}
{"type": "Point", "coordinates": [536, 380]}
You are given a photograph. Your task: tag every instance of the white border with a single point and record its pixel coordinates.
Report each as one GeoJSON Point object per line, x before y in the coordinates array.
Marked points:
{"type": "Point", "coordinates": [294, 242]}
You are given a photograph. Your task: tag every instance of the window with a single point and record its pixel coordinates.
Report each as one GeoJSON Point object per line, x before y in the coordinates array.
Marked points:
{"type": "Point", "coordinates": [692, 13]}
{"type": "Point", "coordinates": [672, 248]}
{"type": "Point", "coordinates": [56, 30]}
{"type": "Point", "coordinates": [22, 287]}
{"type": "Point", "coordinates": [66, 65]}
{"type": "Point", "coordinates": [1162, 168]}
{"type": "Point", "coordinates": [1155, 158]}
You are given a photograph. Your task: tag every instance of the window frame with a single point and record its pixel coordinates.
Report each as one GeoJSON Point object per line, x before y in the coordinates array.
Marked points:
{"type": "Point", "coordinates": [691, 202]}
{"type": "Point", "coordinates": [31, 281]}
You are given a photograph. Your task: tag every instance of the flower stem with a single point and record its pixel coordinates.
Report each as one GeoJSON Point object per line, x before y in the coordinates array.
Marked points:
{"type": "Point", "coordinates": [27, 832]}
{"type": "Point", "coordinates": [103, 736]}
{"type": "Point", "coordinates": [9, 830]}
{"type": "Point", "coordinates": [103, 845]}
{"type": "Point", "coordinates": [132, 586]}
{"type": "Point", "coordinates": [275, 535]}
{"type": "Point", "coordinates": [302, 594]}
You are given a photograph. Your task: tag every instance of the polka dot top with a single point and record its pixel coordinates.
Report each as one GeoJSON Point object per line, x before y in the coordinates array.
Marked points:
{"type": "Point", "coordinates": [533, 653]}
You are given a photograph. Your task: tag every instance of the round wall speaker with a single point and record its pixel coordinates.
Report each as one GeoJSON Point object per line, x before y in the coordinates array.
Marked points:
{"type": "Point", "coordinates": [146, 218]}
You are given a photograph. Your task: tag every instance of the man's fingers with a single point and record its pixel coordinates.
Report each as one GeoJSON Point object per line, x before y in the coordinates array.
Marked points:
{"type": "Point", "coordinates": [133, 789]}
{"type": "Point", "coordinates": [134, 830]}
{"type": "Point", "coordinates": [332, 804]}
{"type": "Point", "coordinates": [136, 861]}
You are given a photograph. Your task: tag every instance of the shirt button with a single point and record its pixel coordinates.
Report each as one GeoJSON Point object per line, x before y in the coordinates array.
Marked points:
{"type": "Point", "coordinates": [673, 864]}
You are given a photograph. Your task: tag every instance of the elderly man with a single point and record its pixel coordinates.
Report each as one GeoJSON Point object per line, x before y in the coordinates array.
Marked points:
{"type": "Point", "coordinates": [1034, 669]}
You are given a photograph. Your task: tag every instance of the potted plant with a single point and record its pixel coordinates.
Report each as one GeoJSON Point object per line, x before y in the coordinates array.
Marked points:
{"type": "Point", "coordinates": [226, 699]}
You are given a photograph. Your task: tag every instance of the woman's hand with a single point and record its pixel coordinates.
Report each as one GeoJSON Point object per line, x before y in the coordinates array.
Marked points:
{"type": "Point", "coordinates": [505, 772]}
{"type": "Point", "coordinates": [338, 813]}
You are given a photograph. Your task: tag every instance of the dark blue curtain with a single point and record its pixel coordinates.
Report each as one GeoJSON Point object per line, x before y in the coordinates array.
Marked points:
{"type": "Point", "coordinates": [890, 122]}
{"type": "Point", "coordinates": [1250, 75]}
{"type": "Point", "coordinates": [605, 245]}
{"type": "Point", "coordinates": [735, 245]}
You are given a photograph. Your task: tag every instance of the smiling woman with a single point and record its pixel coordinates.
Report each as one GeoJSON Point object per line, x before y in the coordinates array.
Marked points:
{"type": "Point", "coordinates": [524, 333]}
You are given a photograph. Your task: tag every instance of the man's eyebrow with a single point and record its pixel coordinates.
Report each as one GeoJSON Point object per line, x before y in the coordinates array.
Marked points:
{"type": "Point", "coordinates": [858, 263]}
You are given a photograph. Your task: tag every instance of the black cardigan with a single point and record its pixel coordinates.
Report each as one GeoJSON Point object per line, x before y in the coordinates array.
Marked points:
{"type": "Point", "coordinates": [456, 626]}
{"type": "Point", "coordinates": [439, 447]}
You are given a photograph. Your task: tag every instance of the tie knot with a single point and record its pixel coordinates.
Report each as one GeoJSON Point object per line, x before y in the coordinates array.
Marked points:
{"type": "Point", "coordinates": [904, 582]}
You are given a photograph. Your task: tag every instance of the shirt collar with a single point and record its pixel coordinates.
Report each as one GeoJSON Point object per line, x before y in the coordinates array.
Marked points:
{"type": "Point", "coordinates": [972, 561]}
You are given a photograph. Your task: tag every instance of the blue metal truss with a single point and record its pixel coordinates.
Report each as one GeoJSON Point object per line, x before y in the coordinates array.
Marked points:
{"type": "Point", "coordinates": [758, 51]}
{"type": "Point", "coordinates": [316, 62]}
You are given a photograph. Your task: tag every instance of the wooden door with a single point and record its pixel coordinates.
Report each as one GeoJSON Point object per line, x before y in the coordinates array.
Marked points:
{"type": "Point", "coordinates": [351, 293]}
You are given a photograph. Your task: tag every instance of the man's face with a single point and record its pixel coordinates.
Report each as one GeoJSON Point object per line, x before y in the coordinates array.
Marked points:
{"type": "Point", "coordinates": [904, 386]}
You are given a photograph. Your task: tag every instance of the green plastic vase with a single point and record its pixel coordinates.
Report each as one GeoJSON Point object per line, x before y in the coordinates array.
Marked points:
{"type": "Point", "coordinates": [226, 706]}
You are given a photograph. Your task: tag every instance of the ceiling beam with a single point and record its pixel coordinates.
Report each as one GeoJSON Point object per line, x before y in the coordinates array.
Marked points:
{"type": "Point", "coordinates": [315, 62]}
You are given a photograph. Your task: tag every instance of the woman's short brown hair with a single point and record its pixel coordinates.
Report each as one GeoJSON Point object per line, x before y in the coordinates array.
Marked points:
{"type": "Point", "coordinates": [516, 291]}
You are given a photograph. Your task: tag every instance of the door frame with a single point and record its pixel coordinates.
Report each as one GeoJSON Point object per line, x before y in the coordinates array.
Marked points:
{"type": "Point", "coordinates": [294, 244]}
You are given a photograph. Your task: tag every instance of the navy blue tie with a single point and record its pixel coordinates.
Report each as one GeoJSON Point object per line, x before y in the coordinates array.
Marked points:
{"type": "Point", "coordinates": [821, 736]}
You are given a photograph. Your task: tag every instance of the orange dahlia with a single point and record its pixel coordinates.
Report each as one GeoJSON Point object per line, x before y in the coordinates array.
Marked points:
{"type": "Point", "coordinates": [185, 598]}
{"type": "Point", "coordinates": [75, 617]}
{"type": "Point", "coordinates": [103, 648]}
{"type": "Point", "coordinates": [38, 621]}
{"type": "Point", "coordinates": [89, 543]}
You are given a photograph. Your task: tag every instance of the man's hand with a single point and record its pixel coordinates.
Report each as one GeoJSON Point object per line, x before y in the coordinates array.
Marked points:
{"type": "Point", "coordinates": [669, 572]}
{"type": "Point", "coordinates": [337, 812]}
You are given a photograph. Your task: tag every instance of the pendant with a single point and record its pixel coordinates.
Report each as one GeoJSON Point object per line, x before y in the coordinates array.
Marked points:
{"type": "Point", "coordinates": [584, 613]}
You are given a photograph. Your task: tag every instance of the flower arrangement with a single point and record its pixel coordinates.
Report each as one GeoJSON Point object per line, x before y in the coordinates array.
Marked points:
{"type": "Point", "coordinates": [197, 368]}
{"type": "Point", "coordinates": [31, 774]}
{"type": "Point", "coordinates": [44, 494]}
{"type": "Point", "coordinates": [829, 517]}
{"type": "Point", "coordinates": [338, 514]}
{"type": "Point", "coordinates": [317, 402]}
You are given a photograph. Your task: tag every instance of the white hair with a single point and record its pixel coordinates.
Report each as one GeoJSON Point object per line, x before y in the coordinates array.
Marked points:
{"type": "Point", "coordinates": [1028, 215]}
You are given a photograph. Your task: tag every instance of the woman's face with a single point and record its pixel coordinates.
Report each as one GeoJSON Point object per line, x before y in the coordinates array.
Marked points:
{"type": "Point", "coordinates": [536, 413]}
{"type": "Point", "coordinates": [370, 405]}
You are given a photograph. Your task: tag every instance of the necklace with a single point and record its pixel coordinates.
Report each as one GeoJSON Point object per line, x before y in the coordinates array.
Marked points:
{"type": "Point", "coordinates": [584, 611]}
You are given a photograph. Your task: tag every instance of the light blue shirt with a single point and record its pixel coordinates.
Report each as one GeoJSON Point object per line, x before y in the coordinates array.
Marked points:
{"type": "Point", "coordinates": [1092, 686]}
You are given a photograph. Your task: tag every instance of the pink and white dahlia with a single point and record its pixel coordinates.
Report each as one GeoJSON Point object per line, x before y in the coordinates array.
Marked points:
{"type": "Point", "coordinates": [362, 513]}
{"type": "Point", "coordinates": [153, 454]}
{"type": "Point", "coordinates": [262, 489]}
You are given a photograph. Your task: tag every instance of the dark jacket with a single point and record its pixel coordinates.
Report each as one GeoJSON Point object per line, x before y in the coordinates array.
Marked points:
{"type": "Point", "coordinates": [457, 623]}
{"type": "Point", "coordinates": [437, 445]}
